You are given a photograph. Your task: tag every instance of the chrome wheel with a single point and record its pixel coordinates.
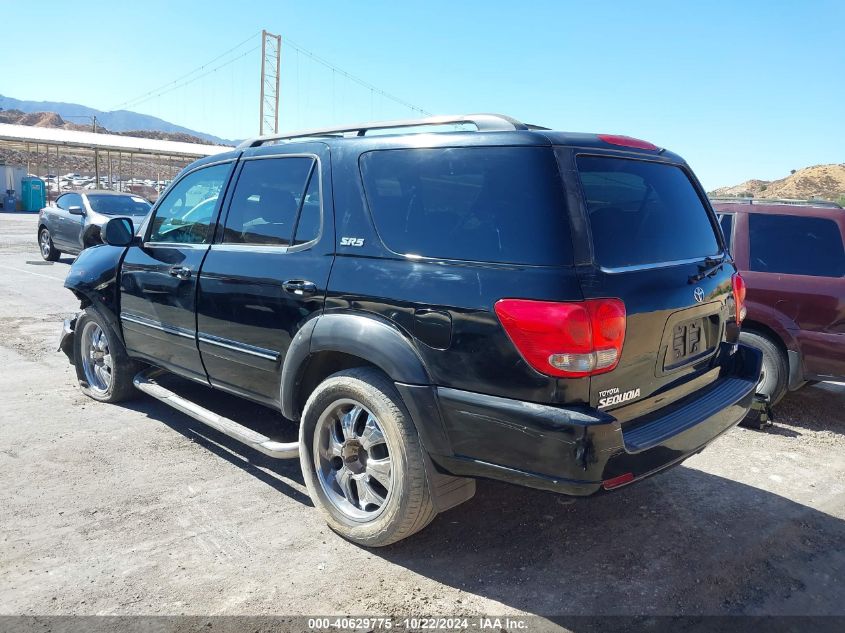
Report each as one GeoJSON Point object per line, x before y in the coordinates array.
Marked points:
{"type": "Point", "coordinates": [352, 460]}
{"type": "Point", "coordinates": [96, 358]}
{"type": "Point", "coordinates": [44, 243]}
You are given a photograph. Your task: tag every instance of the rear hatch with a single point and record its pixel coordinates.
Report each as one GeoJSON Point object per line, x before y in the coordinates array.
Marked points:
{"type": "Point", "coordinates": [656, 246]}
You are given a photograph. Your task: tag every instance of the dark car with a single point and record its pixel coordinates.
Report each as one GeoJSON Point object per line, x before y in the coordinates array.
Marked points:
{"type": "Point", "coordinates": [74, 221]}
{"type": "Point", "coordinates": [549, 309]}
{"type": "Point", "coordinates": [793, 262]}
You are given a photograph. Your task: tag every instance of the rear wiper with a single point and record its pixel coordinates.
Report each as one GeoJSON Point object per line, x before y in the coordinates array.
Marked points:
{"type": "Point", "coordinates": [709, 268]}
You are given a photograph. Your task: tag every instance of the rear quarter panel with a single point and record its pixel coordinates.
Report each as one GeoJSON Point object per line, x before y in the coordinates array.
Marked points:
{"type": "Point", "coordinates": [444, 307]}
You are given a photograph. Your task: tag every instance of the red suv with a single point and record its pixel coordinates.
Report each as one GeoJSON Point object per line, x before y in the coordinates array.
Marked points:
{"type": "Point", "coordinates": [793, 262]}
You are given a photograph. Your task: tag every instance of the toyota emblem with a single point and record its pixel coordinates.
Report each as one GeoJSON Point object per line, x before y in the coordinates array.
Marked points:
{"type": "Point", "coordinates": [698, 293]}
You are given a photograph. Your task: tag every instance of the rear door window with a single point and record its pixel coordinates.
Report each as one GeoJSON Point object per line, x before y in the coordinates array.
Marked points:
{"type": "Point", "coordinates": [491, 204]}
{"type": "Point", "coordinates": [795, 245]}
{"type": "Point", "coordinates": [726, 221]}
{"type": "Point", "coordinates": [310, 217]}
{"type": "Point", "coordinates": [644, 212]}
{"type": "Point", "coordinates": [267, 199]}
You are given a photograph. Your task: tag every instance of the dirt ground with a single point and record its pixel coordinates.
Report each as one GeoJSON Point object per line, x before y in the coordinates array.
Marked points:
{"type": "Point", "coordinates": [137, 509]}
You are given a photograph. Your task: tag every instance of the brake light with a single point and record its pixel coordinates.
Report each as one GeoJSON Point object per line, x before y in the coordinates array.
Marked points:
{"type": "Point", "coordinates": [738, 284]}
{"type": "Point", "coordinates": [568, 340]}
{"type": "Point", "coordinates": [627, 141]}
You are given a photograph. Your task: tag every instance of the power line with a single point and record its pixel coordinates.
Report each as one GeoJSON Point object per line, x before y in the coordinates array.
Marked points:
{"type": "Point", "coordinates": [352, 77]}
{"type": "Point", "coordinates": [153, 94]}
{"type": "Point", "coordinates": [180, 82]}
{"type": "Point", "coordinates": [188, 74]}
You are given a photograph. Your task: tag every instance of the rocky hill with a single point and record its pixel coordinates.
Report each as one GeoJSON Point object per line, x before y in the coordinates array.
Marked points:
{"type": "Point", "coordinates": [114, 120]}
{"type": "Point", "coordinates": [52, 119]}
{"type": "Point", "coordinates": [819, 181]}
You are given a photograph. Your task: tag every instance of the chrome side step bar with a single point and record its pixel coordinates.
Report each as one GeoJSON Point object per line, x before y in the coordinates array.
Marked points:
{"type": "Point", "coordinates": [145, 382]}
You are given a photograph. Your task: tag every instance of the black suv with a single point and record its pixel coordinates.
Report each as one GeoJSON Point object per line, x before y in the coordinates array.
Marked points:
{"type": "Point", "coordinates": [549, 309]}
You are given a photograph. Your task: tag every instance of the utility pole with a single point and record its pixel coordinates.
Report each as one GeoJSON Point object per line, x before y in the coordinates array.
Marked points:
{"type": "Point", "coordinates": [271, 57]}
{"type": "Point", "coordinates": [96, 156]}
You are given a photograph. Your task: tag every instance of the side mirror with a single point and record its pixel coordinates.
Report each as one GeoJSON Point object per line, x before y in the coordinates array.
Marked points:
{"type": "Point", "coordinates": [118, 232]}
{"type": "Point", "coordinates": [76, 210]}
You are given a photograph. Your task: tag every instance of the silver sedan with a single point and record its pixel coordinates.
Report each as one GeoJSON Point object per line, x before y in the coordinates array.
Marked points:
{"type": "Point", "coordinates": [73, 222]}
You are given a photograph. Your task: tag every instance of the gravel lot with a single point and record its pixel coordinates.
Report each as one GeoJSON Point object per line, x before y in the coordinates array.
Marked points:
{"type": "Point", "coordinates": [136, 509]}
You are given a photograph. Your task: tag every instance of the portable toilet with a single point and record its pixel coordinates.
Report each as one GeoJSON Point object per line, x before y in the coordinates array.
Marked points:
{"type": "Point", "coordinates": [33, 194]}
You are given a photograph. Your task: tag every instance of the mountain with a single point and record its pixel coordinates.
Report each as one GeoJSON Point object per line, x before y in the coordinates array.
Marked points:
{"type": "Point", "coordinates": [51, 119]}
{"type": "Point", "coordinates": [819, 181]}
{"type": "Point", "coordinates": [116, 120]}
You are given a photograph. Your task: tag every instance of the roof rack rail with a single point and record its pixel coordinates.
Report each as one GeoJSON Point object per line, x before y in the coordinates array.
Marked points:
{"type": "Point", "coordinates": [482, 122]}
{"type": "Point", "coordinates": [786, 201]}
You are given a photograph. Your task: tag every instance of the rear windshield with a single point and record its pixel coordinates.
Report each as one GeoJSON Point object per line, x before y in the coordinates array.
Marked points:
{"type": "Point", "coordinates": [119, 205]}
{"type": "Point", "coordinates": [492, 204]}
{"type": "Point", "coordinates": [643, 212]}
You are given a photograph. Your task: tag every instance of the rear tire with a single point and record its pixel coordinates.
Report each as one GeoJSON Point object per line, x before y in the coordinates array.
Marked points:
{"type": "Point", "coordinates": [103, 369]}
{"type": "Point", "coordinates": [362, 460]}
{"type": "Point", "coordinates": [45, 244]}
{"type": "Point", "coordinates": [775, 373]}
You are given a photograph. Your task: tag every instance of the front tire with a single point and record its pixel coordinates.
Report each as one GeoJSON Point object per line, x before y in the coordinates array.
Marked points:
{"type": "Point", "coordinates": [103, 369]}
{"type": "Point", "coordinates": [775, 372]}
{"type": "Point", "coordinates": [45, 244]}
{"type": "Point", "coordinates": [362, 460]}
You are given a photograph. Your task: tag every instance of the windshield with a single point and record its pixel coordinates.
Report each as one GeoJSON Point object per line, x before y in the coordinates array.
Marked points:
{"type": "Point", "coordinates": [644, 212]}
{"type": "Point", "coordinates": [119, 205]}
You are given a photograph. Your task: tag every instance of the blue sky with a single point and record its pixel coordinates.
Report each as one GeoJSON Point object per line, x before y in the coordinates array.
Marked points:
{"type": "Point", "coordinates": [742, 90]}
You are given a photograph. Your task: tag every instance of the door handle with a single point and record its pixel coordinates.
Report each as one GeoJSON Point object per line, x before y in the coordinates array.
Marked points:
{"type": "Point", "coordinates": [300, 287]}
{"type": "Point", "coordinates": [181, 272]}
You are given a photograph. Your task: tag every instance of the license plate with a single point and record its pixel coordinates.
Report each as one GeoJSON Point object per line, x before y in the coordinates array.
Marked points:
{"type": "Point", "coordinates": [688, 341]}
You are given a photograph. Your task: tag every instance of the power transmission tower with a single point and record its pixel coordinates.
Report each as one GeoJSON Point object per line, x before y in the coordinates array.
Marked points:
{"type": "Point", "coordinates": [271, 57]}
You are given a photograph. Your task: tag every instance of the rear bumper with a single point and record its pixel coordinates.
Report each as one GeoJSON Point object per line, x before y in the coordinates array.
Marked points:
{"type": "Point", "coordinates": [577, 451]}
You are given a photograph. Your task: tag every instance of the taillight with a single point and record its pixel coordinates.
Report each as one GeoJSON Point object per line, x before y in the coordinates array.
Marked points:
{"type": "Point", "coordinates": [568, 340]}
{"type": "Point", "coordinates": [738, 284]}
{"type": "Point", "coordinates": [615, 482]}
{"type": "Point", "coordinates": [627, 141]}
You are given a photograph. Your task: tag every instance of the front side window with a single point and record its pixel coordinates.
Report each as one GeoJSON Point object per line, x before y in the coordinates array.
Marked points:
{"type": "Point", "coordinates": [794, 245]}
{"type": "Point", "coordinates": [643, 212]}
{"type": "Point", "coordinates": [186, 214]}
{"type": "Point", "coordinates": [69, 200]}
{"type": "Point", "coordinates": [489, 204]}
{"type": "Point", "coordinates": [267, 201]}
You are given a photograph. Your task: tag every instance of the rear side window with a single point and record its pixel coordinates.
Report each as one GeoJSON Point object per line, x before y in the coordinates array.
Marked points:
{"type": "Point", "coordinates": [795, 245]}
{"type": "Point", "coordinates": [267, 199]}
{"type": "Point", "coordinates": [643, 212]}
{"type": "Point", "coordinates": [492, 204]}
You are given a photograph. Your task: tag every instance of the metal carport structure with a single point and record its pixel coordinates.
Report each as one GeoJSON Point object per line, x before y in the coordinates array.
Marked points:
{"type": "Point", "coordinates": [43, 146]}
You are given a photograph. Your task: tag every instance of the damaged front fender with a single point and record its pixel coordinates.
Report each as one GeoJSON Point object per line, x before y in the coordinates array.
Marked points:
{"type": "Point", "coordinates": [95, 280]}
{"type": "Point", "coordinates": [66, 339]}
